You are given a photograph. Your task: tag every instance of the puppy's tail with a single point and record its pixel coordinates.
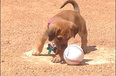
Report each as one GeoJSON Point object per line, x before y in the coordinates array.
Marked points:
{"type": "Point", "coordinates": [74, 3]}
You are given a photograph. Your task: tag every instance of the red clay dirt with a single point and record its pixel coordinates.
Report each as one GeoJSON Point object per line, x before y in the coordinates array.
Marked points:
{"type": "Point", "coordinates": [22, 21]}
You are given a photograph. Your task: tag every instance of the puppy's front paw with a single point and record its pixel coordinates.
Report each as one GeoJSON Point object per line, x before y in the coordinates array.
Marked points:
{"type": "Point", "coordinates": [56, 59]}
{"type": "Point", "coordinates": [35, 53]}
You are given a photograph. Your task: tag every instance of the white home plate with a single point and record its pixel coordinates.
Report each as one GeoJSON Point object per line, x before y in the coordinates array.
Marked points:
{"type": "Point", "coordinates": [98, 56]}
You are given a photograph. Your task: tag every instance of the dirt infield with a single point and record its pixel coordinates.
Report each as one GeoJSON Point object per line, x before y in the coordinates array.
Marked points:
{"type": "Point", "coordinates": [23, 20]}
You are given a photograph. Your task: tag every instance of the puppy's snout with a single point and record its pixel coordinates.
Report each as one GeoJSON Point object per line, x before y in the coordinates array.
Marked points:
{"type": "Point", "coordinates": [63, 46]}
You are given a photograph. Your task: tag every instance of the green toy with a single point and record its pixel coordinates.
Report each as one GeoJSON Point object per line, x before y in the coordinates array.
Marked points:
{"type": "Point", "coordinates": [51, 47]}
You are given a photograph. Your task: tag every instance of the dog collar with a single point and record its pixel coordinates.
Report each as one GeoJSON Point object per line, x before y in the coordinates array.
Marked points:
{"type": "Point", "coordinates": [49, 22]}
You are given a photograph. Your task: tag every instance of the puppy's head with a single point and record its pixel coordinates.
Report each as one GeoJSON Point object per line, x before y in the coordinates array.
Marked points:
{"type": "Point", "coordinates": [60, 32]}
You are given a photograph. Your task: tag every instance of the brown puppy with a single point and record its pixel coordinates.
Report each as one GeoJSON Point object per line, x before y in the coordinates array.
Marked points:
{"type": "Point", "coordinates": [63, 26]}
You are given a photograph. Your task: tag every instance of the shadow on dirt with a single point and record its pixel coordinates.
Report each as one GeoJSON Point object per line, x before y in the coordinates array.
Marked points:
{"type": "Point", "coordinates": [91, 49]}
{"type": "Point", "coordinates": [47, 55]}
{"type": "Point", "coordinates": [85, 61]}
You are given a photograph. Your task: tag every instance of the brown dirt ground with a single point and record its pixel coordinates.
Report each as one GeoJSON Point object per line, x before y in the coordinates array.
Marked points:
{"type": "Point", "coordinates": [23, 20]}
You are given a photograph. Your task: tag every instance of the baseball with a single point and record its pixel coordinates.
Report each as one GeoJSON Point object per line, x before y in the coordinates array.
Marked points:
{"type": "Point", "coordinates": [73, 54]}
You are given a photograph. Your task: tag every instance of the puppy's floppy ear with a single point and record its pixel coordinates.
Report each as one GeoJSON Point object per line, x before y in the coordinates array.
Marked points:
{"type": "Point", "coordinates": [74, 29]}
{"type": "Point", "coordinates": [52, 31]}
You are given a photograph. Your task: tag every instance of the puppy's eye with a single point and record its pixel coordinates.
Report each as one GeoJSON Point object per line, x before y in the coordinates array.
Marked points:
{"type": "Point", "coordinates": [59, 38]}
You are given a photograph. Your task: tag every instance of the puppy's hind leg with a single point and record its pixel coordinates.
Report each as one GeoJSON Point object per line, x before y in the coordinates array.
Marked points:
{"type": "Point", "coordinates": [40, 44]}
{"type": "Point", "coordinates": [83, 41]}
